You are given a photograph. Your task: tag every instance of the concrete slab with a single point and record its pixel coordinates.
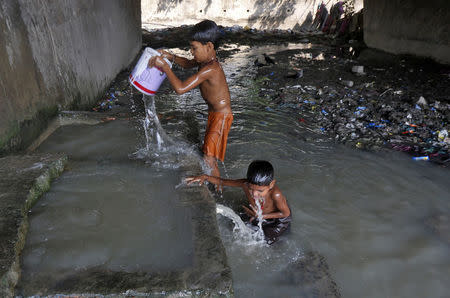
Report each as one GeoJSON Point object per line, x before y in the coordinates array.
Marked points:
{"type": "Point", "coordinates": [311, 273]}
{"type": "Point", "coordinates": [439, 223]}
{"type": "Point", "coordinates": [23, 180]}
{"type": "Point", "coordinates": [208, 276]}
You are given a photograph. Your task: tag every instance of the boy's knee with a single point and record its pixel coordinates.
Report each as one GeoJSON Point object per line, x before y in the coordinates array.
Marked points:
{"type": "Point", "coordinates": [210, 159]}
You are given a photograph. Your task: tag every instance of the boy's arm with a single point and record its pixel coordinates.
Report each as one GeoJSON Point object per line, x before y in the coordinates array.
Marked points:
{"type": "Point", "coordinates": [179, 86]}
{"type": "Point", "coordinates": [281, 205]}
{"type": "Point", "coordinates": [216, 180]}
{"type": "Point", "coordinates": [181, 61]}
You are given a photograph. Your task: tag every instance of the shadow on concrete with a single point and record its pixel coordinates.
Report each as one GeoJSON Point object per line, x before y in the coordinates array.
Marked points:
{"type": "Point", "coordinates": [164, 5]}
{"type": "Point", "coordinates": [272, 14]}
{"type": "Point", "coordinates": [208, 5]}
{"type": "Point", "coordinates": [306, 23]}
{"type": "Point", "coordinates": [263, 12]}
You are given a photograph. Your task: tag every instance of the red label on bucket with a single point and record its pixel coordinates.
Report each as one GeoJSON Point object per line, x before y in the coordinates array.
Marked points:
{"type": "Point", "coordinates": [140, 87]}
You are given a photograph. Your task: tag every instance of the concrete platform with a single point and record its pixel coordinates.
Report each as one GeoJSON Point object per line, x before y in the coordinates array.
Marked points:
{"type": "Point", "coordinates": [23, 180]}
{"type": "Point", "coordinates": [312, 275]}
{"type": "Point", "coordinates": [207, 275]}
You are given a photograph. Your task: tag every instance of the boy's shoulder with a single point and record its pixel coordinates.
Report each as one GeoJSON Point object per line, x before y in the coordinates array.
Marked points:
{"type": "Point", "coordinates": [213, 64]}
{"type": "Point", "coordinates": [212, 70]}
{"type": "Point", "coordinates": [276, 193]}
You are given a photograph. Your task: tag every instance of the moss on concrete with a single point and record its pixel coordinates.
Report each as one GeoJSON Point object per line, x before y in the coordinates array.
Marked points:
{"type": "Point", "coordinates": [21, 135]}
{"type": "Point", "coordinates": [24, 180]}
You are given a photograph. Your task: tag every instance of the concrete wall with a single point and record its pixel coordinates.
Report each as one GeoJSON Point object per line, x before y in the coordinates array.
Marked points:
{"type": "Point", "coordinates": [58, 54]}
{"type": "Point", "coordinates": [261, 14]}
{"type": "Point", "coordinates": [415, 27]}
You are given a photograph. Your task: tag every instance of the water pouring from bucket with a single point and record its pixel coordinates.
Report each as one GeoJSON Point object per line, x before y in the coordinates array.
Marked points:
{"type": "Point", "coordinates": [147, 79]}
{"type": "Point", "coordinates": [154, 132]}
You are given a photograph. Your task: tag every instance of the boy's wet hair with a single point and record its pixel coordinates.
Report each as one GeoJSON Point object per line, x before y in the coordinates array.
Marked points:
{"type": "Point", "coordinates": [206, 31]}
{"type": "Point", "coordinates": [260, 172]}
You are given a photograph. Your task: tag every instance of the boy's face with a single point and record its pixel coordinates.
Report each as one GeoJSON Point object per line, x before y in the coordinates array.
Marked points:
{"type": "Point", "coordinates": [202, 52]}
{"type": "Point", "coordinates": [260, 191]}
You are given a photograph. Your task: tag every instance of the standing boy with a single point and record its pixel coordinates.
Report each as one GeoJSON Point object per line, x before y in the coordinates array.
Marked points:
{"type": "Point", "coordinates": [259, 186]}
{"type": "Point", "coordinates": [211, 80]}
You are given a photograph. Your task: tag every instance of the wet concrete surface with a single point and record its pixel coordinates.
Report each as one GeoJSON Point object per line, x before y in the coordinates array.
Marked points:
{"type": "Point", "coordinates": [23, 180]}
{"type": "Point", "coordinates": [205, 274]}
{"type": "Point", "coordinates": [208, 275]}
{"type": "Point", "coordinates": [379, 108]}
{"type": "Point", "coordinates": [321, 94]}
{"type": "Point", "coordinates": [312, 272]}
{"type": "Point", "coordinates": [26, 177]}
{"type": "Point", "coordinates": [439, 224]}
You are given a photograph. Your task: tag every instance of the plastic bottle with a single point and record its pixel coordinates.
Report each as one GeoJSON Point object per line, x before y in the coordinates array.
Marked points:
{"type": "Point", "coordinates": [347, 83]}
{"type": "Point", "coordinates": [421, 158]}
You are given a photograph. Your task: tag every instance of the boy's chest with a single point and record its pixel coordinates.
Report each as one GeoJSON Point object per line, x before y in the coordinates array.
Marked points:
{"type": "Point", "coordinates": [267, 204]}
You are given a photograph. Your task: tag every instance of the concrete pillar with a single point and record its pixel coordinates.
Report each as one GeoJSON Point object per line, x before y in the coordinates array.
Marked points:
{"type": "Point", "coordinates": [414, 27]}
{"type": "Point", "coordinates": [58, 54]}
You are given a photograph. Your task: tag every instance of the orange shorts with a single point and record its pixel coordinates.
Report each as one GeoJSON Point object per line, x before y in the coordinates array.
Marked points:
{"type": "Point", "coordinates": [216, 135]}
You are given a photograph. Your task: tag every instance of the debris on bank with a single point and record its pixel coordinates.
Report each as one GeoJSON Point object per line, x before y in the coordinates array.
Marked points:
{"type": "Point", "coordinates": [366, 111]}
{"type": "Point", "coordinates": [111, 98]}
{"type": "Point", "coordinates": [362, 97]}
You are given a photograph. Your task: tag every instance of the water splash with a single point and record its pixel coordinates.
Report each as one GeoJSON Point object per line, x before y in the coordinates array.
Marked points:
{"type": "Point", "coordinates": [225, 170]}
{"type": "Point", "coordinates": [160, 150]}
{"type": "Point", "coordinates": [154, 133]}
{"type": "Point", "coordinates": [183, 183]}
{"type": "Point", "coordinates": [259, 215]}
{"type": "Point", "coordinates": [244, 233]}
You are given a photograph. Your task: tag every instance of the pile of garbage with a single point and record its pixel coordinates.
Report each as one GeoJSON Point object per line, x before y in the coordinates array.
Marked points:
{"type": "Point", "coordinates": [358, 114]}
{"type": "Point", "coordinates": [106, 104]}
{"type": "Point", "coordinates": [420, 129]}
{"type": "Point", "coordinates": [111, 97]}
{"type": "Point", "coordinates": [367, 107]}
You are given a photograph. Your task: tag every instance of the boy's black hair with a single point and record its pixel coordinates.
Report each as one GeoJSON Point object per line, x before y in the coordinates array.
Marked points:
{"type": "Point", "coordinates": [206, 31]}
{"type": "Point", "coordinates": [260, 172]}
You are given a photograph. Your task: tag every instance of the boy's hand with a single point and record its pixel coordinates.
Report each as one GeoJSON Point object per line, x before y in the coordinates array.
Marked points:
{"type": "Point", "coordinates": [200, 179]}
{"type": "Point", "coordinates": [159, 62]}
{"type": "Point", "coordinates": [166, 54]}
{"type": "Point", "coordinates": [250, 212]}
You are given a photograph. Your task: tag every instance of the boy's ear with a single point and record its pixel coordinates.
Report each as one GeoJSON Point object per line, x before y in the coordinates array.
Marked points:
{"type": "Point", "coordinates": [272, 184]}
{"type": "Point", "coordinates": [210, 45]}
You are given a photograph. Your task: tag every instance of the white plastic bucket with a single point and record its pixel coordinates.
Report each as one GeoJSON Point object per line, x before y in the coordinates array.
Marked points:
{"type": "Point", "coordinates": [147, 80]}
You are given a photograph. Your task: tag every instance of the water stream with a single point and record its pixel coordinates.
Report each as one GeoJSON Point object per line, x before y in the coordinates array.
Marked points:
{"type": "Point", "coordinates": [154, 133]}
{"type": "Point", "coordinates": [365, 212]}
{"type": "Point", "coordinates": [241, 232]}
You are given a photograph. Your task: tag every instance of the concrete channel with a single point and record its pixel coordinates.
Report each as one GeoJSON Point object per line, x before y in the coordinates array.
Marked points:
{"type": "Point", "coordinates": [209, 273]}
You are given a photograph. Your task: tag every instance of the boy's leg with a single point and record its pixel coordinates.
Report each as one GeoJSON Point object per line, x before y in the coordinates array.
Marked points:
{"type": "Point", "coordinates": [212, 163]}
{"type": "Point", "coordinates": [273, 229]}
{"type": "Point", "coordinates": [215, 142]}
